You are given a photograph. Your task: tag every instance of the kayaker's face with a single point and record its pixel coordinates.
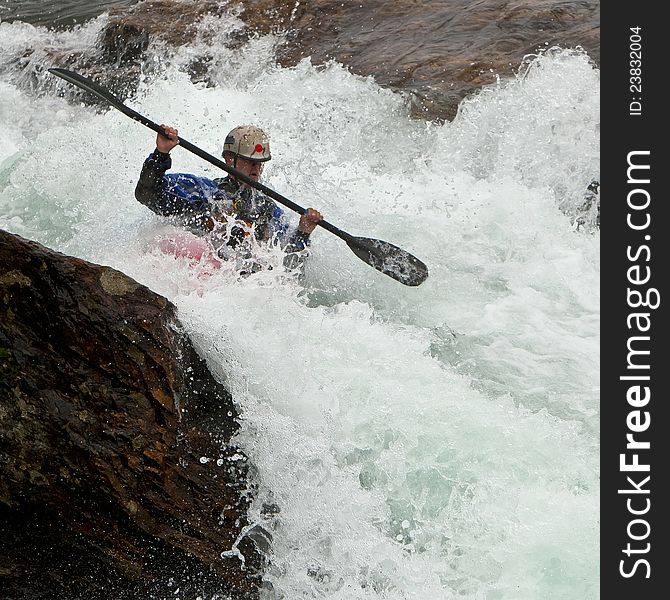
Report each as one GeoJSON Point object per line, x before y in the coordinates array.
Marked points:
{"type": "Point", "coordinates": [250, 168]}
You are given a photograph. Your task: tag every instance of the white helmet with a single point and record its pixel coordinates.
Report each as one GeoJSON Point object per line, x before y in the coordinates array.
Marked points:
{"type": "Point", "coordinates": [247, 141]}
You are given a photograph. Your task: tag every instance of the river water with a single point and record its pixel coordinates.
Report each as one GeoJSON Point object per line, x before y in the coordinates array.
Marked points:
{"type": "Point", "coordinates": [432, 443]}
{"type": "Point", "coordinates": [56, 14]}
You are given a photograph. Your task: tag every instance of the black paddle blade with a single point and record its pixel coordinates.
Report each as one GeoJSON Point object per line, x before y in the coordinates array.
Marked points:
{"type": "Point", "coordinates": [89, 85]}
{"type": "Point", "coordinates": [390, 260]}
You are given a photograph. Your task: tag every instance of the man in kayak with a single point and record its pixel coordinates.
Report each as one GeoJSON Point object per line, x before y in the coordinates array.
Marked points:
{"type": "Point", "coordinates": [225, 209]}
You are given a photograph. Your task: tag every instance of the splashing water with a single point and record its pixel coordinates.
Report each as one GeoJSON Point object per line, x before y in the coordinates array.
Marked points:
{"type": "Point", "coordinates": [432, 442]}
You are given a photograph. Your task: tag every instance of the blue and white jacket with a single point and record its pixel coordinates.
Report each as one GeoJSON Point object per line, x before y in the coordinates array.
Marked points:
{"type": "Point", "coordinates": [197, 203]}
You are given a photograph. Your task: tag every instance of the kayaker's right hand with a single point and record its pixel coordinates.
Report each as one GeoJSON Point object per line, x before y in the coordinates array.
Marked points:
{"type": "Point", "coordinates": [165, 144]}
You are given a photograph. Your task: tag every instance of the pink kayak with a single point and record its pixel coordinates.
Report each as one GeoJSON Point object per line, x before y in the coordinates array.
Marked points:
{"type": "Point", "coordinates": [190, 246]}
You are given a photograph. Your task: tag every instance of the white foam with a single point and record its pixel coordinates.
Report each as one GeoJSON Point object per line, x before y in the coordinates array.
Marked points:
{"type": "Point", "coordinates": [420, 442]}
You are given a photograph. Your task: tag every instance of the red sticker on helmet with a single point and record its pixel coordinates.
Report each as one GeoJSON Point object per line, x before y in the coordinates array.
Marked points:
{"type": "Point", "coordinates": [259, 148]}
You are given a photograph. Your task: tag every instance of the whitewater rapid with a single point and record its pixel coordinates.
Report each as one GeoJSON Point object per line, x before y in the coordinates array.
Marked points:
{"type": "Point", "coordinates": [433, 442]}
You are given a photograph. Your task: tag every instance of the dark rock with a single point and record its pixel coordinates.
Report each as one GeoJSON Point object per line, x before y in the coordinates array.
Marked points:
{"type": "Point", "coordinates": [435, 52]}
{"type": "Point", "coordinates": [105, 413]}
{"type": "Point", "coordinates": [121, 58]}
{"type": "Point", "coordinates": [439, 61]}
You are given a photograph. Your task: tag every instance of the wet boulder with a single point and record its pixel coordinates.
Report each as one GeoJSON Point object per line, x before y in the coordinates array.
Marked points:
{"type": "Point", "coordinates": [116, 465]}
{"type": "Point", "coordinates": [435, 53]}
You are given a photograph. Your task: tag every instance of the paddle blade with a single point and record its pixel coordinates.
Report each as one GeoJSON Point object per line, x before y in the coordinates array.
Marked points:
{"type": "Point", "coordinates": [390, 260]}
{"type": "Point", "coordinates": [89, 85]}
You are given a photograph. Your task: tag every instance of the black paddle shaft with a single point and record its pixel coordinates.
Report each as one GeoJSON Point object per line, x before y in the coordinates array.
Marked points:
{"type": "Point", "coordinates": [387, 258]}
{"type": "Point", "coordinates": [248, 180]}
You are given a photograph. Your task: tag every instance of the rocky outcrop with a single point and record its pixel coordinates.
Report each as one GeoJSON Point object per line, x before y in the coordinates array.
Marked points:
{"type": "Point", "coordinates": [121, 49]}
{"type": "Point", "coordinates": [435, 52]}
{"type": "Point", "coordinates": [116, 468]}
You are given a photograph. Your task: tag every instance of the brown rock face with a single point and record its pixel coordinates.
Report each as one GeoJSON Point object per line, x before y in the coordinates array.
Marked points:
{"type": "Point", "coordinates": [126, 37]}
{"type": "Point", "coordinates": [105, 414]}
{"type": "Point", "coordinates": [437, 52]}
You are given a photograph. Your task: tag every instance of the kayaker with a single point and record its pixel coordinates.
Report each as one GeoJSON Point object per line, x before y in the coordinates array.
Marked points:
{"type": "Point", "coordinates": [225, 209]}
